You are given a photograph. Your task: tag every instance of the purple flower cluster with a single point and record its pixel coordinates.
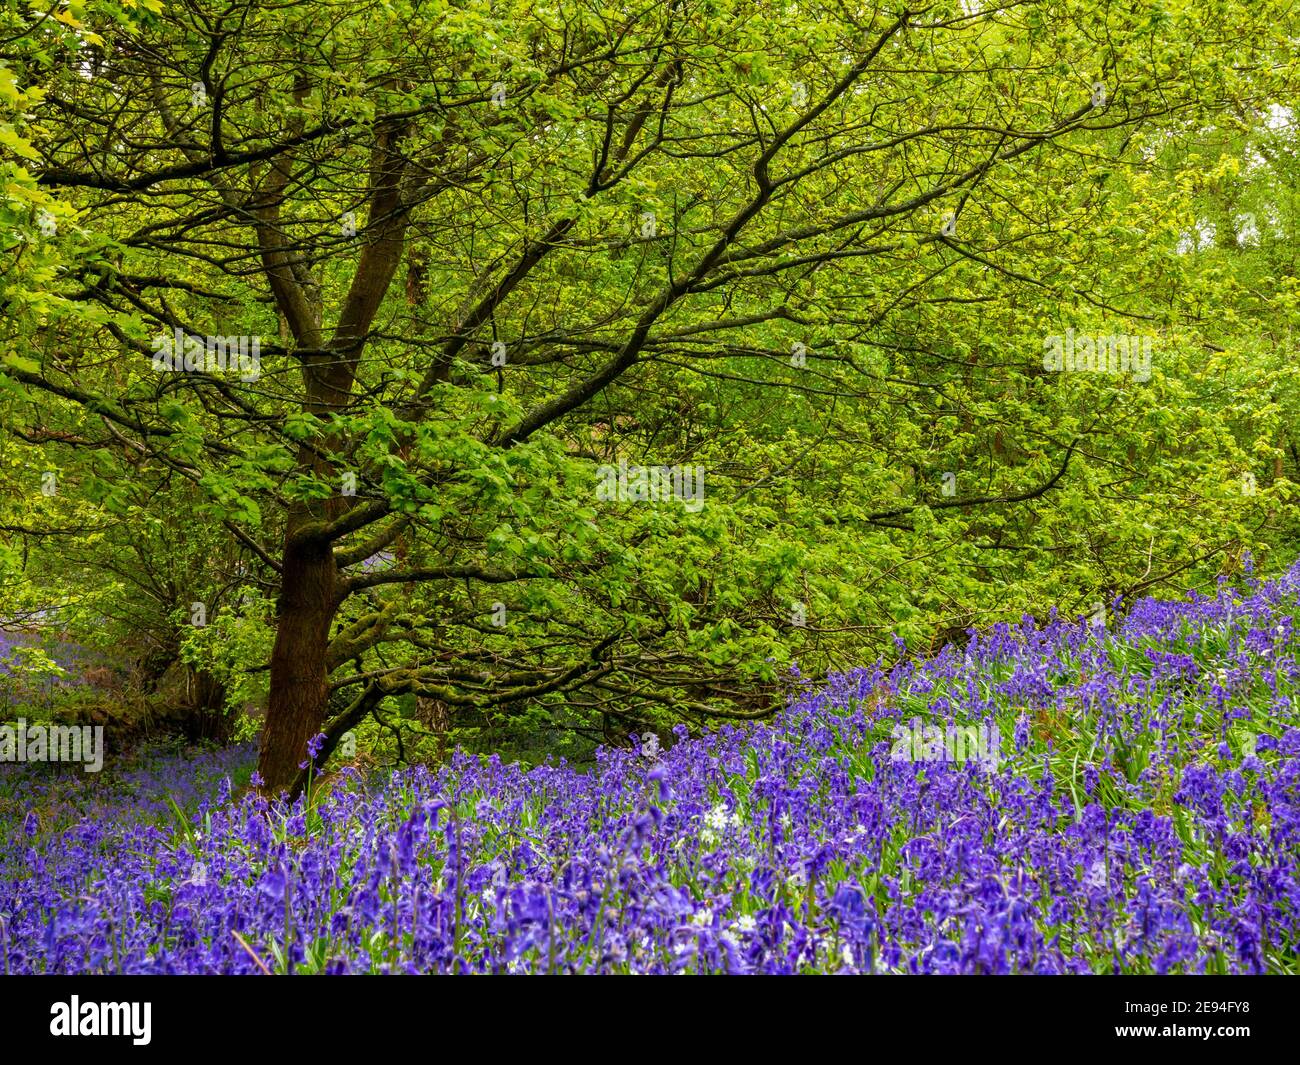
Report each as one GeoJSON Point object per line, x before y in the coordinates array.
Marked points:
{"type": "Point", "coordinates": [1143, 815]}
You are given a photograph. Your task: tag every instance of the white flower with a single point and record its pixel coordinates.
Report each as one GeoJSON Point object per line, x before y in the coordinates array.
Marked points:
{"type": "Point", "coordinates": [702, 917]}
{"type": "Point", "coordinates": [847, 954]}
{"type": "Point", "coordinates": [746, 923]}
{"type": "Point", "coordinates": [717, 819]}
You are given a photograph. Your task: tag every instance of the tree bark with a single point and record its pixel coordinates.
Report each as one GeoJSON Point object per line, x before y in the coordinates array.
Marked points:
{"type": "Point", "coordinates": [206, 717]}
{"type": "Point", "coordinates": [310, 591]}
{"type": "Point", "coordinates": [299, 671]}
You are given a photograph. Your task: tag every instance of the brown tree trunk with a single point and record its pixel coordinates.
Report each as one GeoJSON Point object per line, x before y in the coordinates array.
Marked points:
{"type": "Point", "coordinates": [310, 592]}
{"type": "Point", "coordinates": [299, 673]}
{"type": "Point", "coordinates": [206, 717]}
{"type": "Point", "coordinates": [435, 715]}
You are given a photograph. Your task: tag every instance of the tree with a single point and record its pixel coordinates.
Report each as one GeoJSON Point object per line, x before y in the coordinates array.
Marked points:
{"type": "Point", "coordinates": [772, 244]}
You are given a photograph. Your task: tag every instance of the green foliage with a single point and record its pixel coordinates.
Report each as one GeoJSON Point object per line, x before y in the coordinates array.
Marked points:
{"type": "Point", "coordinates": [817, 257]}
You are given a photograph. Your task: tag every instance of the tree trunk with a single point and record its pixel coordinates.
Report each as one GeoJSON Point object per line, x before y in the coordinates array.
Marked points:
{"type": "Point", "coordinates": [309, 587]}
{"type": "Point", "coordinates": [299, 673]}
{"type": "Point", "coordinates": [206, 717]}
{"type": "Point", "coordinates": [435, 715]}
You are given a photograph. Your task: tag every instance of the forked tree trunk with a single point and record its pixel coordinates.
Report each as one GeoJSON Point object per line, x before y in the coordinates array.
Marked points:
{"type": "Point", "coordinates": [309, 586]}
{"type": "Point", "coordinates": [299, 672]}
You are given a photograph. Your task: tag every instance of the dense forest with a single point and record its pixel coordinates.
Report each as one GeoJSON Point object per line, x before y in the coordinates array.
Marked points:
{"type": "Point", "coordinates": [472, 389]}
